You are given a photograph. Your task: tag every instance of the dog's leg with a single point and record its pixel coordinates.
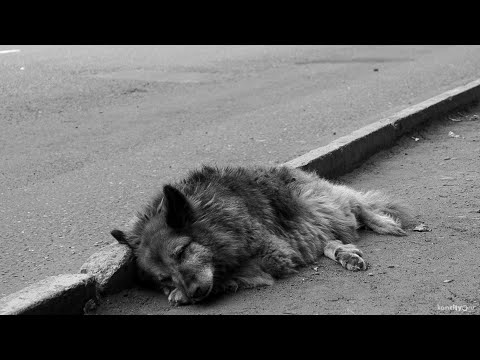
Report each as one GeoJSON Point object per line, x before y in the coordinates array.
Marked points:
{"type": "Point", "coordinates": [278, 258]}
{"type": "Point", "coordinates": [251, 275]}
{"type": "Point", "coordinates": [348, 255]}
{"type": "Point", "coordinates": [178, 297]}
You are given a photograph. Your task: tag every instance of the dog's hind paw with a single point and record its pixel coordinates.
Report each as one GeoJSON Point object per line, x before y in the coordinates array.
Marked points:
{"type": "Point", "coordinates": [177, 297]}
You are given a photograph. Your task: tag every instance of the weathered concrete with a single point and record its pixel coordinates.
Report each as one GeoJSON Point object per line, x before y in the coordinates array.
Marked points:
{"type": "Point", "coordinates": [64, 294]}
{"type": "Point", "coordinates": [348, 152]}
{"type": "Point", "coordinates": [112, 267]}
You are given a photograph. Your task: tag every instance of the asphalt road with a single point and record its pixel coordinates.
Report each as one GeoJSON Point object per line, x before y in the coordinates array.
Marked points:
{"type": "Point", "coordinates": [89, 133]}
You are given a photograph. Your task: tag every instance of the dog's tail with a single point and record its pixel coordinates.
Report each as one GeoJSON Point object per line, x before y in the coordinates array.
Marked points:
{"type": "Point", "coordinates": [383, 214]}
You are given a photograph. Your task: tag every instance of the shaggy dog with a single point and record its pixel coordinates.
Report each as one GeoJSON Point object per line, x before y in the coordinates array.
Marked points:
{"type": "Point", "coordinates": [223, 229]}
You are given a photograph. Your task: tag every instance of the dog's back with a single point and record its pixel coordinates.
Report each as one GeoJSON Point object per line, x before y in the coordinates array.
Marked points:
{"type": "Point", "coordinates": [249, 208]}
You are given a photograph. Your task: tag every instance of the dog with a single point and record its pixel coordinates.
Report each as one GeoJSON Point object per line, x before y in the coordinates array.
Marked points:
{"type": "Point", "coordinates": [222, 229]}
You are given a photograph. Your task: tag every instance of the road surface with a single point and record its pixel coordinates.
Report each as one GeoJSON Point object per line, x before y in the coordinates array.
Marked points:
{"type": "Point", "coordinates": [89, 133]}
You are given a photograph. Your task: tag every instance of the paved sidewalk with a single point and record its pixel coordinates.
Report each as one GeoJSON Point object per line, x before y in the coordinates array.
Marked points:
{"type": "Point", "coordinates": [437, 172]}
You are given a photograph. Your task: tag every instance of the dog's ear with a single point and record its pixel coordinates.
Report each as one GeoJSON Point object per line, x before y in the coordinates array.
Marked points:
{"type": "Point", "coordinates": [179, 212]}
{"type": "Point", "coordinates": [123, 238]}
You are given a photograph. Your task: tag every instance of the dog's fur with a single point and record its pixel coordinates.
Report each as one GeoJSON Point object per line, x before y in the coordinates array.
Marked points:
{"type": "Point", "coordinates": [228, 228]}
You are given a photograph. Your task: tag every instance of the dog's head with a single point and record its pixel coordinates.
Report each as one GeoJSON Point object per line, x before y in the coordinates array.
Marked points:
{"type": "Point", "coordinates": [166, 246]}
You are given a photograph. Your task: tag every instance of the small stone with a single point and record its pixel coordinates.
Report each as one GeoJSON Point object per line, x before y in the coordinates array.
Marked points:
{"type": "Point", "coordinates": [421, 228]}
{"type": "Point", "coordinates": [391, 266]}
{"type": "Point", "coordinates": [370, 274]}
{"type": "Point", "coordinates": [447, 281]}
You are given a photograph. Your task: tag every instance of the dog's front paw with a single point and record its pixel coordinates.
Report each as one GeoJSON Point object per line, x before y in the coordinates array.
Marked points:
{"type": "Point", "coordinates": [352, 260]}
{"type": "Point", "coordinates": [177, 297]}
{"type": "Point", "coordinates": [348, 255]}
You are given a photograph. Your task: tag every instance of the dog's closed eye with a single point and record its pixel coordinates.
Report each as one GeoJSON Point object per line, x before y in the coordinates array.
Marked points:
{"type": "Point", "coordinates": [179, 252]}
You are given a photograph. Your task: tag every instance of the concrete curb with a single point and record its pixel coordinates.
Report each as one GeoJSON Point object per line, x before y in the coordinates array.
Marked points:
{"type": "Point", "coordinates": [63, 294]}
{"type": "Point", "coordinates": [112, 268]}
{"type": "Point", "coordinates": [348, 152]}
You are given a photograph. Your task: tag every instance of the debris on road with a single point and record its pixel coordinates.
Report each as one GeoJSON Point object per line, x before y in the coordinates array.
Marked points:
{"type": "Point", "coordinates": [422, 228]}
{"type": "Point", "coordinates": [448, 281]}
{"type": "Point", "coordinates": [473, 118]}
{"type": "Point", "coordinates": [456, 119]}
{"type": "Point", "coordinates": [453, 135]}
{"type": "Point", "coordinates": [415, 138]}
{"type": "Point", "coordinates": [315, 268]}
